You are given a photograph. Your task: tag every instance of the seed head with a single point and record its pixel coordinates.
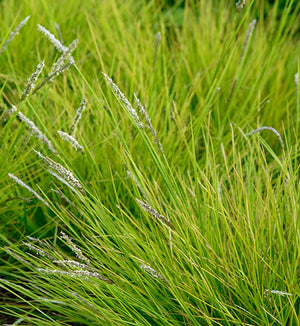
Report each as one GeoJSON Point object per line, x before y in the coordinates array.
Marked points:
{"type": "Point", "coordinates": [70, 139]}
{"type": "Point", "coordinates": [14, 33]}
{"type": "Point", "coordinates": [32, 80]}
{"type": "Point", "coordinates": [30, 124]}
{"type": "Point", "coordinates": [124, 100]}
{"type": "Point", "coordinates": [21, 183]}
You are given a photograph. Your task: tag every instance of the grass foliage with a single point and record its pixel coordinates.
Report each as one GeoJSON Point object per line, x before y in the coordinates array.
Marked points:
{"type": "Point", "coordinates": [164, 211]}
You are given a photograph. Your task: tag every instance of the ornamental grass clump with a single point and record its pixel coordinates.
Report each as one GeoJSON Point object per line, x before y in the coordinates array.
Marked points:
{"type": "Point", "coordinates": [173, 216]}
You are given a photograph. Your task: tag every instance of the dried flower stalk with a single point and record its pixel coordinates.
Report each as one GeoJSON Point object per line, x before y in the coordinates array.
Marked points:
{"type": "Point", "coordinates": [240, 5]}
{"type": "Point", "coordinates": [249, 33]}
{"type": "Point", "coordinates": [38, 250]}
{"type": "Point", "coordinates": [283, 294]}
{"type": "Point", "coordinates": [157, 41]}
{"type": "Point", "coordinates": [137, 184]}
{"type": "Point", "coordinates": [66, 54]}
{"type": "Point", "coordinates": [59, 33]}
{"type": "Point", "coordinates": [72, 263]}
{"type": "Point", "coordinates": [51, 77]}
{"type": "Point", "coordinates": [297, 89]}
{"type": "Point", "coordinates": [63, 197]}
{"type": "Point", "coordinates": [54, 41]}
{"type": "Point", "coordinates": [77, 296]}
{"type": "Point", "coordinates": [76, 274]}
{"type": "Point", "coordinates": [18, 257]}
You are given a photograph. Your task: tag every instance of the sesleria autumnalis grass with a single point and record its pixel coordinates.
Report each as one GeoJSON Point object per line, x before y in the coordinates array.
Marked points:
{"type": "Point", "coordinates": [183, 210]}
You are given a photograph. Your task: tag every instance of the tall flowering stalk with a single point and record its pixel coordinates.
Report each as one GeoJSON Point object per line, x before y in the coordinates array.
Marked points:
{"type": "Point", "coordinates": [65, 56]}
{"type": "Point", "coordinates": [79, 254]}
{"type": "Point", "coordinates": [240, 5]}
{"type": "Point", "coordinates": [151, 271]}
{"type": "Point", "coordinates": [60, 66]}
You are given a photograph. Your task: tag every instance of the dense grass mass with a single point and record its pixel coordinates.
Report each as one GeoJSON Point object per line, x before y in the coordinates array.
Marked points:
{"type": "Point", "coordinates": [162, 201]}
